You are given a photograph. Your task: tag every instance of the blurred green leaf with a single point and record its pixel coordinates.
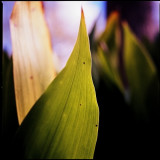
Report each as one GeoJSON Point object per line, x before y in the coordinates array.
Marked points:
{"type": "Point", "coordinates": [140, 71]}
{"type": "Point", "coordinates": [109, 35]}
{"type": "Point", "coordinates": [153, 101]}
{"type": "Point", "coordinates": [108, 51]}
{"type": "Point", "coordinates": [64, 121]}
{"type": "Point", "coordinates": [154, 50]}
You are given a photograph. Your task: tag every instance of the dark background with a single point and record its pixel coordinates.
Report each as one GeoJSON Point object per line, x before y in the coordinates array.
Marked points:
{"type": "Point", "coordinates": [121, 134]}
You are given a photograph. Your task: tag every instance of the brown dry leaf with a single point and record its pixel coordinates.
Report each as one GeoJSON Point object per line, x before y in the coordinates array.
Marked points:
{"type": "Point", "coordinates": [32, 54]}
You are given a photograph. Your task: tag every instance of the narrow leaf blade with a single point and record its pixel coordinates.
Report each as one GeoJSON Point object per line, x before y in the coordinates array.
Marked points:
{"type": "Point", "coordinates": [32, 55]}
{"type": "Point", "coordinates": [108, 52]}
{"type": "Point", "coordinates": [140, 71]}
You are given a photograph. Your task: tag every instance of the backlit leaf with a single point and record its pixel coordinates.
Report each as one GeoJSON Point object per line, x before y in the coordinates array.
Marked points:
{"type": "Point", "coordinates": [32, 54]}
{"type": "Point", "coordinates": [64, 121]}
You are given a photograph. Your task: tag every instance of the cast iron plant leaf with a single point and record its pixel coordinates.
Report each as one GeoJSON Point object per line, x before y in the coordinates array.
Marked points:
{"type": "Point", "coordinates": [140, 71]}
{"type": "Point", "coordinates": [108, 52]}
{"type": "Point", "coordinates": [64, 121]}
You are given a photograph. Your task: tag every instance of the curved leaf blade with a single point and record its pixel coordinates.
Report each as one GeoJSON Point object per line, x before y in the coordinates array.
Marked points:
{"type": "Point", "coordinates": [108, 51]}
{"type": "Point", "coordinates": [140, 71]}
{"type": "Point", "coordinates": [32, 54]}
{"type": "Point", "coordinates": [64, 121]}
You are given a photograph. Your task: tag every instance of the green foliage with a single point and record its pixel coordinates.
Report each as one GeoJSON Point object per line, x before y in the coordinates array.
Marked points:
{"type": "Point", "coordinates": [140, 70]}
{"type": "Point", "coordinates": [108, 52]}
{"type": "Point", "coordinates": [64, 121]}
{"type": "Point", "coordinates": [128, 90]}
{"type": "Point", "coordinates": [125, 64]}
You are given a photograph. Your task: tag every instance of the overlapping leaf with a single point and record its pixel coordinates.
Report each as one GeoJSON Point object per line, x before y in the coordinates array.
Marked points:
{"type": "Point", "coordinates": [64, 121]}
{"type": "Point", "coordinates": [32, 55]}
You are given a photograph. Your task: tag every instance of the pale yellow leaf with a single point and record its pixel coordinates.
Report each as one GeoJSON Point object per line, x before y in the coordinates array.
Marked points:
{"type": "Point", "coordinates": [32, 54]}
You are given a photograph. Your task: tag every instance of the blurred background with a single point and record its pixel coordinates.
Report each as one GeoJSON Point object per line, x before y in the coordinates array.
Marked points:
{"type": "Point", "coordinates": [120, 131]}
{"type": "Point", "coordinates": [63, 20]}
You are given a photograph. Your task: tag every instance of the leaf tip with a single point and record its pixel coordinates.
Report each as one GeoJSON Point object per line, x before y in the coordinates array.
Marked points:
{"type": "Point", "coordinates": [124, 23]}
{"type": "Point", "coordinates": [82, 12]}
{"type": "Point", "coordinates": [113, 17]}
{"type": "Point", "coordinates": [13, 13]}
{"type": "Point", "coordinates": [115, 14]}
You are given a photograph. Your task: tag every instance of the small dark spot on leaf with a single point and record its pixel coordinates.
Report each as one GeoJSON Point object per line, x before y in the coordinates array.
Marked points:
{"type": "Point", "coordinates": [80, 104]}
{"type": "Point", "coordinates": [96, 125]}
{"type": "Point", "coordinates": [31, 77]}
{"type": "Point", "coordinates": [83, 62]}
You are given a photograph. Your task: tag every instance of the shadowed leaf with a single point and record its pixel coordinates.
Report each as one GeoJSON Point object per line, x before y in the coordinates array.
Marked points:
{"type": "Point", "coordinates": [140, 71]}
{"type": "Point", "coordinates": [9, 114]}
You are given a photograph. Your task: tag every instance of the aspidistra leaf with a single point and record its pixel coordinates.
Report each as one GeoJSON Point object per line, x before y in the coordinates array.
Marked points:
{"type": "Point", "coordinates": [108, 51]}
{"type": "Point", "coordinates": [64, 121]}
{"type": "Point", "coordinates": [32, 54]}
{"type": "Point", "coordinates": [140, 71]}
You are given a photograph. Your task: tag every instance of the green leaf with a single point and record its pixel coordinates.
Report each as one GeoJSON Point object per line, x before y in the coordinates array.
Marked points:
{"type": "Point", "coordinates": [109, 34]}
{"type": "Point", "coordinates": [64, 121]}
{"type": "Point", "coordinates": [108, 52]}
{"type": "Point", "coordinates": [140, 71]}
{"type": "Point", "coordinates": [32, 54]}
{"type": "Point", "coordinates": [154, 50]}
